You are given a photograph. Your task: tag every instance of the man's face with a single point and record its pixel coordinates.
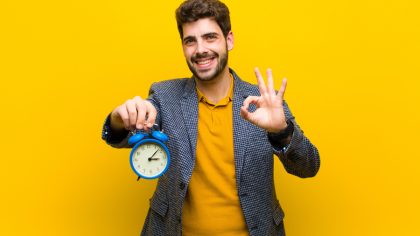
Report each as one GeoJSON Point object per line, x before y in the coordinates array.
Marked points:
{"type": "Point", "coordinates": [205, 48]}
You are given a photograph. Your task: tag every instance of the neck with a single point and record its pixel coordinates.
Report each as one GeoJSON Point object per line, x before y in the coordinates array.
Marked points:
{"type": "Point", "coordinates": [216, 89]}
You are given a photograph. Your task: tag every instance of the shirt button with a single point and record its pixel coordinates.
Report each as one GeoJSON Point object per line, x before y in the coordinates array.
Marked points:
{"type": "Point", "coordinates": [182, 186]}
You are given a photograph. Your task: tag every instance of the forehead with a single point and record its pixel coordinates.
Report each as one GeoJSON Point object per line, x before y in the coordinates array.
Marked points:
{"type": "Point", "coordinates": [201, 27]}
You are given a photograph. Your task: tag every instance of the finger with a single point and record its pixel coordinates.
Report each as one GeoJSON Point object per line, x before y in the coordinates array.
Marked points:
{"type": "Point", "coordinates": [137, 99]}
{"type": "Point", "coordinates": [123, 114]}
{"type": "Point", "coordinates": [151, 114]}
{"type": "Point", "coordinates": [282, 90]}
{"type": "Point", "coordinates": [244, 113]}
{"type": "Point", "coordinates": [141, 114]}
{"type": "Point", "coordinates": [132, 113]}
{"type": "Point", "coordinates": [250, 100]}
{"type": "Point", "coordinates": [249, 116]}
{"type": "Point", "coordinates": [261, 83]}
{"type": "Point", "coordinates": [270, 81]}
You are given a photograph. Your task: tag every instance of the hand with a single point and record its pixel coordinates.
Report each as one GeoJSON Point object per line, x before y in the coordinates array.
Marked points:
{"type": "Point", "coordinates": [132, 115]}
{"type": "Point", "coordinates": [269, 114]}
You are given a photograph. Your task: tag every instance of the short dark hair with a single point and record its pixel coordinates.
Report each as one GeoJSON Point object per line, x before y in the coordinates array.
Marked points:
{"type": "Point", "coordinates": [193, 10]}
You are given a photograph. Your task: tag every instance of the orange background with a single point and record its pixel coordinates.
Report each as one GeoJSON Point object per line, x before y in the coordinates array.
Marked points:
{"type": "Point", "coordinates": [353, 70]}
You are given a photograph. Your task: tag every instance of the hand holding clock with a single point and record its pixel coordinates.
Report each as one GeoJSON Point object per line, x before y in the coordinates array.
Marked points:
{"type": "Point", "coordinates": [132, 115]}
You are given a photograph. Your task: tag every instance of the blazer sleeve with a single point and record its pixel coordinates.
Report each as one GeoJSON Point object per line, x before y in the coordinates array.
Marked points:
{"type": "Point", "coordinates": [117, 140]}
{"type": "Point", "coordinates": [300, 157]}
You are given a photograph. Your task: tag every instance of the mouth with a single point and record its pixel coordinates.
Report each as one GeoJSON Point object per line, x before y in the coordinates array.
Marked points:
{"type": "Point", "coordinates": [204, 63]}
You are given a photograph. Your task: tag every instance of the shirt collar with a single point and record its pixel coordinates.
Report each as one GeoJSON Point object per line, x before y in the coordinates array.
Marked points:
{"type": "Point", "coordinates": [224, 101]}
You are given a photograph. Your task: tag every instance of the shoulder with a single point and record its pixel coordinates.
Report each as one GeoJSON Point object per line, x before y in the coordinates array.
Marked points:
{"type": "Point", "coordinates": [170, 88]}
{"type": "Point", "coordinates": [170, 85]}
{"type": "Point", "coordinates": [243, 87]}
{"type": "Point", "coordinates": [252, 89]}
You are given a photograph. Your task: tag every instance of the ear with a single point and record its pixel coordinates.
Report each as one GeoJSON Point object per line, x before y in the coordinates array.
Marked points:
{"type": "Point", "coordinates": [229, 40]}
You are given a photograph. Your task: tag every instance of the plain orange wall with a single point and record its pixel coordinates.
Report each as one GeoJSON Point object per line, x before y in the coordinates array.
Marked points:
{"type": "Point", "coordinates": [353, 70]}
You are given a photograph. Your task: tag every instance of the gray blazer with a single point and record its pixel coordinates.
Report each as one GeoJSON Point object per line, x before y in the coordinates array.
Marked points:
{"type": "Point", "coordinates": [177, 105]}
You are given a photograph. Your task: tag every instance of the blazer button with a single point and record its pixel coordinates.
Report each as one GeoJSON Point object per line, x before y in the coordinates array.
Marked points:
{"type": "Point", "coordinates": [182, 186]}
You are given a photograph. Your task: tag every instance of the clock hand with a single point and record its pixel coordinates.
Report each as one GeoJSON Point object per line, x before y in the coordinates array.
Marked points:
{"type": "Point", "coordinates": [150, 158]}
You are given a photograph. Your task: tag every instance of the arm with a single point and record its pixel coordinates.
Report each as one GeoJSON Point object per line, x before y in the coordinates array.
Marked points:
{"type": "Point", "coordinates": [298, 155]}
{"type": "Point", "coordinates": [296, 152]}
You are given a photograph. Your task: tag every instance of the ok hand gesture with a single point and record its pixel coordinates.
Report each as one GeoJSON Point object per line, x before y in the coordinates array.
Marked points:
{"type": "Point", "coordinates": [269, 114]}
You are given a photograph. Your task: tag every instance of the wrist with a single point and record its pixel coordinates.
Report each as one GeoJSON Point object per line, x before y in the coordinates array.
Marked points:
{"type": "Point", "coordinates": [115, 123]}
{"type": "Point", "coordinates": [110, 135]}
{"type": "Point", "coordinates": [280, 129]}
{"type": "Point", "coordinates": [283, 137]}
{"type": "Point", "coordinates": [283, 131]}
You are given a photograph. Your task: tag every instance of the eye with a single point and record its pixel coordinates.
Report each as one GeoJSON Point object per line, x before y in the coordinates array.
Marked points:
{"type": "Point", "coordinates": [211, 37]}
{"type": "Point", "coordinates": [189, 41]}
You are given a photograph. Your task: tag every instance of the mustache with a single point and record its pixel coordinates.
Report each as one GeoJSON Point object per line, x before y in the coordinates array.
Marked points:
{"type": "Point", "coordinates": [203, 55]}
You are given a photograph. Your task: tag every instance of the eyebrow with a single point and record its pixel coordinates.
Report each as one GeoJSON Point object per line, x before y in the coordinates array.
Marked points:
{"type": "Point", "coordinates": [210, 34]}
{"type": "Point", "coordinates": [202, 36]}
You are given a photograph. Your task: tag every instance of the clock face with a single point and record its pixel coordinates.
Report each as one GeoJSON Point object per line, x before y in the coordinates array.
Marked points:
{"type": "Point", "coordinates": [149, 160]}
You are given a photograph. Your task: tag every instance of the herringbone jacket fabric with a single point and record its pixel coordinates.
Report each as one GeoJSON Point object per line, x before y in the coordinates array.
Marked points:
{"type": "Point", "coordinates": [177, 105]}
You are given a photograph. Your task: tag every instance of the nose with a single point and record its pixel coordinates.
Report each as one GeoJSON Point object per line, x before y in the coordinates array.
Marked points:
{"type": "Point", "coordinates": [201, 47]}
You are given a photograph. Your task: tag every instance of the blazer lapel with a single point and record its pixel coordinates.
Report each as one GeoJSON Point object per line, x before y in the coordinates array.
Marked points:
{"type": "Point", "coordinates": [189, 109]}
{"type": "Point", "coordinates": [240, 126]}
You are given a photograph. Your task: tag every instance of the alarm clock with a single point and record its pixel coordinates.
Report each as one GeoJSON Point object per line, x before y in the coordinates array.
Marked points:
{"type": "Point", "coordinates": [149, 157]}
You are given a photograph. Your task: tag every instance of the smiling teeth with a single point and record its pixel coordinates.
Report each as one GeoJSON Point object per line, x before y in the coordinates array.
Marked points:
{"type": "Point", "coordinates": [203, 62]}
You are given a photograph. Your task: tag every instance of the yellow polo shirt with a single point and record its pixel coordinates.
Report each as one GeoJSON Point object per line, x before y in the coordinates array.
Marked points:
{"type": "Point", "coordinates": [212, 204]}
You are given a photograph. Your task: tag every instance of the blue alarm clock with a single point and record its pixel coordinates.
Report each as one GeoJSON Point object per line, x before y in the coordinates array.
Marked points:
{"type": "Point", "coordinates": [150, 156]}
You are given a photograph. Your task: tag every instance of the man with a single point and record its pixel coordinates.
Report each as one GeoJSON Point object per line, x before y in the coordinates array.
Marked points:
{"type": "Point", "coordinates": [223, 134]}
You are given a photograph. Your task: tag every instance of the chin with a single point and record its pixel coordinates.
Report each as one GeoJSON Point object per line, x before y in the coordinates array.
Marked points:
{"type": "Point", "coordinates": [207, 76]}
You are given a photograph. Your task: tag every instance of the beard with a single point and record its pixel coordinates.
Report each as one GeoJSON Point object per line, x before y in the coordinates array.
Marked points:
{"type": "Point", "coordinates": [222, 60]}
